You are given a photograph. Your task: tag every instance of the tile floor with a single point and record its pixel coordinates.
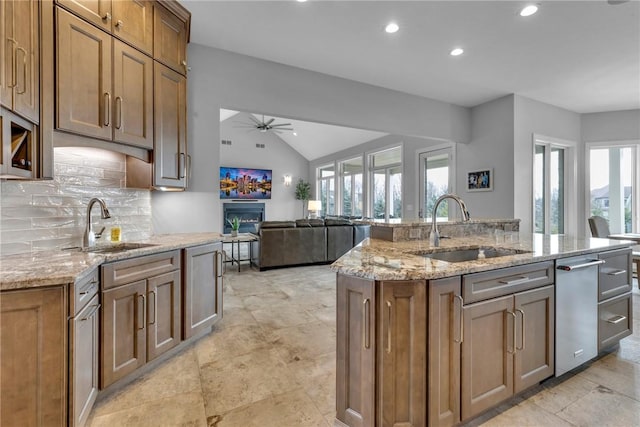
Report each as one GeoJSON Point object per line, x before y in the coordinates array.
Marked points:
{"type": "Point", "coordinates": [271, 362]}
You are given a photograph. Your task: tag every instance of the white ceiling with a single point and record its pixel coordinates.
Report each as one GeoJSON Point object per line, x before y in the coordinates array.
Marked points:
{"type": "Point", "coordinates": [580, 55]}
{"type": "Point", "coordinates": [311, 140]}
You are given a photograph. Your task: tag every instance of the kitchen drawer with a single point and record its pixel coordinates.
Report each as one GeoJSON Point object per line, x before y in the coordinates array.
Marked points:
{"type": "Point", "coordinates": [615, 320]}
{"type": "Point", "coordinates": [505, 281]}
{"type": "Point", "coordinates": [614, 276]}
{"type": "Point", "coordinates": [130, 270]}
{"type": "Point", "coordinates": [82, 291]}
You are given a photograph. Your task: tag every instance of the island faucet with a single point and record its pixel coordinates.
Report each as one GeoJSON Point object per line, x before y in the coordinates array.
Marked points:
{"type": "Point", "coordinates": [434, 237]}
{"type": "Point", "coordinates": [89, 238]}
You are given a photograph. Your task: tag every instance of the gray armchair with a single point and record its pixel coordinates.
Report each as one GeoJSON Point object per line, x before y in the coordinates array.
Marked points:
{"type": "Point", "coordinates": [599, 227]}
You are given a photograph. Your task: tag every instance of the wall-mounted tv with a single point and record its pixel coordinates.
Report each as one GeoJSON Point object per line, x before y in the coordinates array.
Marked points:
{"type": "Point", "coordinates": [245, 183]}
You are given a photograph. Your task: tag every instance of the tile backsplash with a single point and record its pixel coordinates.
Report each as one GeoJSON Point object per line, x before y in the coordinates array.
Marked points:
{"type": "Point", "coordinates": [40, 215]}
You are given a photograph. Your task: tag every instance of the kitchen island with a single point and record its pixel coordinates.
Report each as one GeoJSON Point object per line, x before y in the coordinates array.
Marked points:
{"type": "Point", "coordinates": [423, 341]}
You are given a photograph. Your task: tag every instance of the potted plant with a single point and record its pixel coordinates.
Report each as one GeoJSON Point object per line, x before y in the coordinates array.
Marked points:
{"type": "Point", "coordinates": [303, 193]}
{"type": "Point", "coordinates": [235, 226]}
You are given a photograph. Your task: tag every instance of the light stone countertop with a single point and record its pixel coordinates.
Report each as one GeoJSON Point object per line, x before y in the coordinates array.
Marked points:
{"type": "Point", "coordinates": [401, 260]}
{"type": "Point", "coordinates": [56, 267]}
{"type": "Point", "coordinates": [423, 222]}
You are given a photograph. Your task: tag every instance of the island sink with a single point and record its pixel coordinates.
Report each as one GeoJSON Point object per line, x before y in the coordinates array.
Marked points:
{"type": "Point", "coordinates": [472, 254]}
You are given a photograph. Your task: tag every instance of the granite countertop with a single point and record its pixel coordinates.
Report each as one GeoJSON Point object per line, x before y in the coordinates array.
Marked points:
{"type": "Point", "coordinates": [55, 267]}
{"type": "Point", "coordinates": [422, 222]}
{"type": "Point", "coordinates": [401, 260]}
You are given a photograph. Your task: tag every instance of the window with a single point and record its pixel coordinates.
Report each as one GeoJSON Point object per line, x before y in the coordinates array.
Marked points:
{"type": "Point", "coordinates": [326, 186]}
{"type": "Point", "coordinates": [386, 180]}
{"type": "Point", "coordinates": [436, 178]}
{"type": "Point", "coordinates": [613, 185]}
{"type": "Point", "coordinates": [351, 174]}
{"type": "Point", "coordinates": [553, 165]}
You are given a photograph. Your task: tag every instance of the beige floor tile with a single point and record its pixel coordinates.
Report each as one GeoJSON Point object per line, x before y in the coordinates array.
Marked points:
{"type": "Point", "coordinates": [603, 407]}
{"type": "Point", "coordinates": [322, 391]}
{"type": "Point", "coordinates": [556, 398]}
{"type": "Point", "coordinates": [307, 370]}
{"type": "Point", "coordinates": [233, 316]}
{"type": "Point", "coordinates": [243, 286]}
{"type": "Point", "coordinates": [526, 414]}
{"type": "Point", "coordinates": [266, 300]}
{"type": "Point", "coordinates": [237, 381]}
{"type": "Point", "coordinates": [619, 375]}
{"type": "Point", "coordinates": [290, 409]}
{"type": "Point", "coordinates": [177, 376]}
{"type": "Point", "coordinates": [230, 342]}
{"type": "Point", "coordinates": [181, 410]}
{"type": "Point", "coordinates": [283, 316]}
{"type": "Point", "coordinates": [303, 342]}
{"type": "Point", "coordinates": [326, 315]}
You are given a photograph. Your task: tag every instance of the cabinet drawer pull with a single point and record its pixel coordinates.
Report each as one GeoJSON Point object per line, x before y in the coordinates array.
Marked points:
{"type": "Point", "coordinates": [616, 272]}
{"type": "Point", "coordinates": [87, 289]}
{"type": "Point", "coordinates": [388, 326]}
{"type": "Point", "coordinates": [119, 24]}
{"type": "Point", "coordinates": [521, 279]}
{"type": "Point", "coordinates": [366, 327]}
{"type": "Point", "coordinates": [182, 166]}
{"type": "Point", "coordinates": [513, 347]}
{"type": "Point", "coordinates": [155, 308]}
{"type": "Point", "coordinates": [24, 70]}
{"type": "Point", "coordinates": [14, 64]}
{"type": "Point", "coordinates": [106, 17]}
{"type": "Point", "coordinates": [523, 327]}
{"type": "Point", "coordinates": [616, 319]}
{"type": "Point", "coordinates": [461, 325]}
{"type": "Point", "coordinates": [142, 314]}
{"type": "Point", "coordinates": [91, 313]}
{"type": "Point", "coordinates": [107, 108]}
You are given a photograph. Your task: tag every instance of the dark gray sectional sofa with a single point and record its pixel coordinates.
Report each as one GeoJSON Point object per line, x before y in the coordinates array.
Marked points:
{"type": "Point", "coordinates": [305, 241]}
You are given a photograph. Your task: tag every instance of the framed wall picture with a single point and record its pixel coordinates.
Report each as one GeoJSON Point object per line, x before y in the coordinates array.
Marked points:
{"type": "Point", "coordinates": [481, 180]}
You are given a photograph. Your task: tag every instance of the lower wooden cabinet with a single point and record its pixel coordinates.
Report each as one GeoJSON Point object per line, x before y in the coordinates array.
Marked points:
{"type": "Point", "coordinates": [33, 357]}
{"type": "Point", "coordinates": [163, 313]}
{"type": "Point", "coordinates": [202, 288]}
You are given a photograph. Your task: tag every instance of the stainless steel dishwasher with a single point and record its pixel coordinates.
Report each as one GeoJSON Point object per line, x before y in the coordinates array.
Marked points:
{"type": "Point", "coordinates": [576, 311]}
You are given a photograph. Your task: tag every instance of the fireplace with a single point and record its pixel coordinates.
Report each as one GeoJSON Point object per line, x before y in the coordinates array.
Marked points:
{"type": "Point", "coordinates": [249, 214]}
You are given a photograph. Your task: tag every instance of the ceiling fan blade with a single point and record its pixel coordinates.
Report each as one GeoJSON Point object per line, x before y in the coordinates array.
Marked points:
{"type": "Point", "coordinates": [280, 124]}
{"type": "Point", "coordinates": [269, 122]}
{"type": "Point", "coordinates": [253, 119]}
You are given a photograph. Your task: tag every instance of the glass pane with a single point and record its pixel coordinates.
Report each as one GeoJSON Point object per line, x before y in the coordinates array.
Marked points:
{"type": "Point", "coordinates": [436, 177]}
{"type": "Point", "coordinates": [326, 171]}
{"type": "Point", "coordinates": [331, 201]}
{"type": "Point", "coordinates": [357, 194]}
{"type": "Point", "coordinates": [379, 200]}
{"type": "Point", "coordinates": [352, 166]}
{"type": "Point", "coordinates": [324, 196]}
{"type": "Point", "coordinates": [538, 189]}
{"type": "Point", "coordinates": [347, 197]}
{"type": "Point", "coordinates": [388, 157]}
{"type": "Point", "coordinates": [395, 184]}
{"type": "Point", "coordinates": [557, 191]}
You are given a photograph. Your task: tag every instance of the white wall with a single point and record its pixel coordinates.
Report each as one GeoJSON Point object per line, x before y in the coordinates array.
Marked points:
{"type": "Point", "coordinates": [277, 155]}
{"type": "Point", "coordinates": [611, 126]}
{"type": "Point", "coordinates": [221, 79]}
{"type": "Point", "coordinates": [536, 117]}
{"type": "Point", "coordinates": [491, 147]}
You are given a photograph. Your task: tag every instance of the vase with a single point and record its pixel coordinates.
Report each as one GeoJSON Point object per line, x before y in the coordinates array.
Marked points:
{"type": "Point", "coordinates": [234, 233]}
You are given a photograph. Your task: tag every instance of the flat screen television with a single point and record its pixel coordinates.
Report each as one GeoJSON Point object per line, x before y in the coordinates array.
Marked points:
{"type": "Point", "coordinates": [245, 183]}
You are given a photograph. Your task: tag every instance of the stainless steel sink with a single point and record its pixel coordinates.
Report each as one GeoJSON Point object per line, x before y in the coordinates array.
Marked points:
{"type": "Point", "coordinates": [471, 254]}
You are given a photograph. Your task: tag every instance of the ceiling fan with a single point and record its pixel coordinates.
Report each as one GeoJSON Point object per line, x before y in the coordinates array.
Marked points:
{"type": "Point", "coordinates": [264, 126]}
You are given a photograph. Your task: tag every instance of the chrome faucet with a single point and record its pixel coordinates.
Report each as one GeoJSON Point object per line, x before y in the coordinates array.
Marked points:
{"type": "Point", "coordinates": [89, 238]}
{"type": "Point", "coordinates": [434, 237]}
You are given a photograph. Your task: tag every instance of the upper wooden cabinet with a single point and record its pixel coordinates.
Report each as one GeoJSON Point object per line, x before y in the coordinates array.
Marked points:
{"type": "Point", "coordinates": [129, 20]}
{"type": "Point", "coordinates": [170, 38]}
{"type": "Point", "coordinates": [104, 87]}
{"type": "Point", "coordinates": [20, 57]}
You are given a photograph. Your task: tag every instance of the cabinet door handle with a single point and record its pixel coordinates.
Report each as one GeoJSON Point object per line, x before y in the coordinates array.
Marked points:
{"type": "Point", "coordinates": [91, 313]}
{"type": "Point", "coordinates": [188, 167]}
{"type": "Point", "coordinates": [142, 314]}
{"type": "Point", "coordinates": [14, 63]}
{"type": "Point", "coordinates": [106, 17]}
{"type": "Point", "coordinates": [513, 347]}
{"type": "Point", "coordinates": [119, 24]}
{"type": "Point", "coordinates": [616, 319]}
{"type": "Point", "coordinates": [24, 70]}
{"type": "Point", "coordinates": [521, 279]}
{"type": "Point", "coordinates": [523, 328]}
{"type": "Point", "coordinates": [119, 112]}
{"type": "Point", "coordinates": [388, 326]}
{"type": "Point", "coordinates": [461, 324]}
{"type": "Point", "coordinates": [107, 108]}
{"type": "Point", "coordinates": [365, 324]}
{"type": "Point", "coordinates": [616, 272]}
{"type": "Point", "coordinates": [155, 308]}
{"type": "Point", "coordinates": [182, 166]}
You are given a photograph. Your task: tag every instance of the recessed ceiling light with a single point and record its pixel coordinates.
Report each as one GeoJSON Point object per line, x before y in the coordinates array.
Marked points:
{"type": "Point", "coordinates": [529, 10]}
{"type": "Point", "coordinates": [456, 52]}
{"type": "Point", "coordinates": [296, 133]}
{"type": "Point", "coordinates": [301, 1]}
{"type": "Point", "coordinates": [391, 28]}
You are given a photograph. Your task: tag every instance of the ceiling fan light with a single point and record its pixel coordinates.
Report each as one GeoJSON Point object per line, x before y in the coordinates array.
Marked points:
{"type": "Point", "coordinates": [456, 52]}
{"type": "Point", "coordinates": [392, 27]}
{"type": "Point", "coordinates": [529, 10]}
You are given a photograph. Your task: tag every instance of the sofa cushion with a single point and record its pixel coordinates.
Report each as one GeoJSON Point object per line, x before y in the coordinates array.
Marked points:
{"type": "Point", "coordinates": [277, 224]}
{"type": "Point", "coordinates": [313, 222]}
{"type": "Point", "coordinates": [336, 221]}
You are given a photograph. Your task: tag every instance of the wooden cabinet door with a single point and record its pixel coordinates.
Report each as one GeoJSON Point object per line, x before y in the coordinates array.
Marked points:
{"type": "Point", "coordinates": [355, 366]}
{"type": "Point", "coordinates": [133, 96]}
{"type": "Point", "coordinates": [402, 366]}
{"type": "Point", "coordinates": [133, 23]}
{"type": "Point", "coordinates": [170, 133]}
{"type": "Point", "coordinates": [83, 74]}
{"type": "Point", "coordinates": [123, 331]}
{"type": "Point", "coordinates": [163, 313]}
{"type": "Point", "coordinates": [445, 337]}
{"type": "Point", "coordinates": [33, 357]}
{"type": "Point", "coordinates": [487, 354]}
{"type": "Point", "coordinates": [202, 289]}
{"type": "Point", "coordinates": [535, 351]}
{"type": "Point", "coordinates": [6, 56]}
{"type": "Point", "coordinates": [84, 347]}
{"type": "Point", "coordinates": [98, 12]}
{"type": "Point", "coordinates": [170, 40]}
